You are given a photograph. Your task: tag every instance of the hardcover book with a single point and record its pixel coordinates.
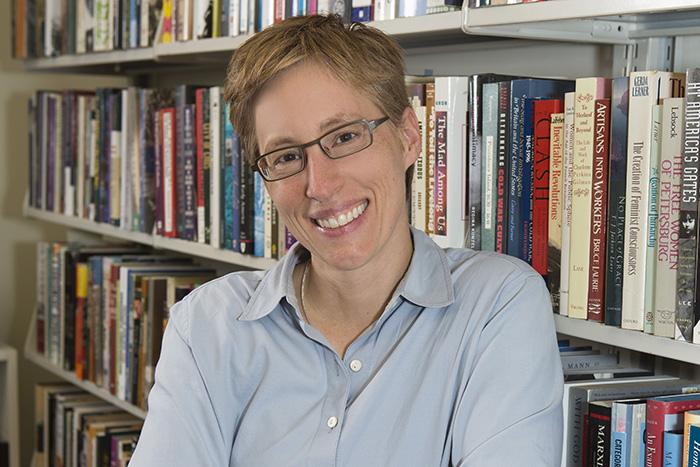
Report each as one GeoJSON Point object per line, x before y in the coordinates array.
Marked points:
{"type": "Point", "coordinates": [568, 163]}
{"type": "Point", "coordinates": [687, 280]}
{"type": "Point", "coordinates": [646, 87]}
{"type": "Point", "coordinates": [555, 208]}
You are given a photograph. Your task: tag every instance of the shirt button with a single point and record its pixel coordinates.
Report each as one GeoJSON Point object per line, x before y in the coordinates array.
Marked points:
{"type": "Point", "coordinates": [332, 422]}
{"type": "Point", "coordinates": [355, 365]}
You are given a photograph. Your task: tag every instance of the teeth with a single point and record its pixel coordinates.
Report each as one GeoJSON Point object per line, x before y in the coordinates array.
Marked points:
{"type": "Point", "coordinates": [342, 219]}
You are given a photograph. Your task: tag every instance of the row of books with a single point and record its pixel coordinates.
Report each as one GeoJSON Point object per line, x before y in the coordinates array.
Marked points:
{"type": "Point", "coordinates": [74, 428]}
{"type": "Point", "coordinates": [545, 165]}
{"type": "Point", "coordinates": [631, 420]}
{"type": "Point", "coordinates": [46, 28]}
{"type": "Point", "coordinates": [589, 180]}
{"type": "Point", "coordinates": [101, 311]}
{"type": "Point", "coordinates": [486, 3]}
{"type": "Point", "coordinates": [161, 161]}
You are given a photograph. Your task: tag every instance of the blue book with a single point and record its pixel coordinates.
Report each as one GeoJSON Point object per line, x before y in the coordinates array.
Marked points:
{"type": "Point", "coordinates": [520, 90]}
{"type": "Point", "coordinates": [189, 218]}
{"type": "Point", "coordinates": [236, 193]}
{"type": "Point", "coordinates": [259, 216]}
{"type": "Point", "coordinates": [227, 187]}
{"type": "Point", "coordinates": [524, 196]}
{"type": "Point", "coordinates": [643, 445]}
{"type": "Point", "coordinates": [694, 446]}
{"type": "Point", "coordinates": [673, 449]}
{"type": "Point", "coordinates": [134, 17]}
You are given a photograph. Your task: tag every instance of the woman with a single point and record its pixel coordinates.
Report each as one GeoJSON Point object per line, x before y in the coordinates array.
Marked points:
{"type": "Point", "coordinates": [367, 345]}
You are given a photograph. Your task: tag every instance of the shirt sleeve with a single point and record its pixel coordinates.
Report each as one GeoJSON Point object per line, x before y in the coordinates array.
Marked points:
{"type": "Point", "coordinates": [181, 428]}
{"type": "Point", "coordinates": [510, 412]}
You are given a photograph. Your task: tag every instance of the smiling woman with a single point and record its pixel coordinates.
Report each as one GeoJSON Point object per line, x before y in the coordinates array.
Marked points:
{"type": "Point", "coordinates": [367, 345]}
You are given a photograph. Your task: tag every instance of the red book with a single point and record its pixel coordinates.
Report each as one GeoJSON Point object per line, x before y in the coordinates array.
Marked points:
{"type": "Point", "coordinates": [599, 196]}
{"type": "Point", "coordinates": [660, 412]}
{"type": "Point", "coordinates": [113, 280]}
{"type": "Point", "coordinates": [542, 119]}
{"type": "Point", "coordinates": [199, 166]}
{"type": "Point", "coordinates": [279, 11]}
{"type": "Point", "coordinates": [167, 134]}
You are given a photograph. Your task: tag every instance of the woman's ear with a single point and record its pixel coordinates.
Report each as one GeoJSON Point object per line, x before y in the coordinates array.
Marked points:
{"type": "Point", "coordinates": [410, 136]}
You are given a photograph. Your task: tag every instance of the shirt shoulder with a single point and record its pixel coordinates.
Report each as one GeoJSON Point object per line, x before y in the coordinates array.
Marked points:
{"type": "Point", "coordinates": [489, 281]}
{"type": "Point", "coordinates": [218, 302]}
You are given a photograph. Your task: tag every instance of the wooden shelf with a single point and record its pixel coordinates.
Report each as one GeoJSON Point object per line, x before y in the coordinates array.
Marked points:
{"type": "Point", "coordinates": [9, 402]}
{"type": "Point", "coordinates": [32, 355]}
{"type": "Point", "coordinates": [611, 22]}
{"type": "Point", "coordinates": [200, 250]}
{"type": "Point", "coordinates": [628, 339]}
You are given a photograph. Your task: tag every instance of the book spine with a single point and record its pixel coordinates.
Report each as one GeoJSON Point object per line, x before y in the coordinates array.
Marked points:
{"type": "Point", "coordinates": [542, 118]}
{"type": "Point", "coordinates": [206, 164]}
{"type": "Point", "coordinates": [555, 207]}
{"type": "Point", "coordinates": [687, 246]}
{"type": "Point", "coordinates": [199, 144]}
{"type": "Point", "coordinates": [515, 175]}
{"type": "Point", "coordinates": [587, 91]}
{"type": "Point", "coordinates": [652, 219]}
{"type": "Point", "coordinates": [694, 446]}
{"type": "Point", "coordinates": [599, 194]}
{"type": "Point", "coordinates": [670, 170]}
{"type": "Point", "coordinates": [227, 187]}
{"type": "Point", "coordinates": [502, 178]}
{"type": "Point", "coordinates": [489, 165]}
{"type": "Point", "coordinates": [189, 231]}
{"type": "Point", "coordinates": [50, 153]}
{"type": "Point", "coordinates": [169, 177]}
{"type": "Point", "coordinates": [179, 169]}
{"type": "Point", "coordinates": [599, 435]}
{"type": "Point", "coordinates": [475, 186]}
{"type": "Point", "coordinates": [451, 95]}
{"type": "Point", "coordinates": [645, 88]}
{"type": "Point", "coordinates": [616, 202]}
{"type": "Point", "coordinates": [430, 146]}
{"type": "Point", "coordinates": [236, 193]}
{"type": "Point", "coordinates": [115, 164]}
{"type": "Point", "coordinates": [259, 216]}
{"type": "Point", "coordinates": [247, 200]}
{"type": "Point", "coordinates": [673, 449]}
{"type": "Point", "coordinates": [525, 191]}
{"type": "Point", "coordinates": [215, 166]}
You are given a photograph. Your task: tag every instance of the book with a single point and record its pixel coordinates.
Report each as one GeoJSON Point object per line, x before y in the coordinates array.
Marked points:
{"type": "Point", "coordinates": [652, 218]}
{"type": "Point", "coordinates": [691, 417]}
{"type": "Point", "coordinates": [669, 201]}
{"type": "Point", "coordinates": [450, 223]}
{"type": "Point", "coordinates": [673, 449]}
{"type": "Point", "coordinates": [599, 436]}
{"type": "Point", "coordinates": [687, 281]}
{"type": "Point", "coordinates": [542, 113]}
{"type": "Point", "coordinates": [599, 194]}
{"type": "Point", "coordinates": [645, 90]}
{"type": "Point", "coordinates": [665, 413]}
{"type": "Point", "coordinates": [616, 201]}
{"type": "Point", "coordinates": [694, 446]}
{"type": "Point", "coordinates": [489, 165]}
{"type": "Point", "coordinates": [568, 175]}
{"type": "Point", "coordinates": [588, 90]}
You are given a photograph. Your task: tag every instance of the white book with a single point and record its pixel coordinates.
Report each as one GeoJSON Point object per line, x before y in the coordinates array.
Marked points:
{"type": "Point", "coordinates": [567, 175]}
{"type": "Point", "coordinates": [652, 216]}
{"type": "Point", "coordinates": [670, 169]}
{"type": "Point", "coordinates": [215, 145]}
{"type": "Point", "coordinates": [267, 212]}
{"type": "Point", "coordinates": [186, 20]}
{"type": "Point", "coordinates": [168, 173]}
{"type": "Point", "coordinates": [134, 125]}
{"type": "Point", "coordinates": [115, 177]}
{"type": "Point", "coordinates": [451, 99]}
{"type": "Point", "coordinates": [243, 22]}
{"type": "Point", "coordinates": [588, 90]}
{"type": "Point", "coordinates": [144, 24]}
{"type": "Point", "coordinates": [80, 8]}
{"type": "Point", "coordinates": [646, 87]}
{"type": "Point", "coordinates": [234, 17]}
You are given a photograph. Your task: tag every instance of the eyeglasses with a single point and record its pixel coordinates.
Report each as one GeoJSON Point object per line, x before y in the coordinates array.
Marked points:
{"type": "Point", "coordinates": [338, 143]}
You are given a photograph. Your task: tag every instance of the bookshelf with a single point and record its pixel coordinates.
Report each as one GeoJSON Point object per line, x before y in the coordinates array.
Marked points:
{"type": "Point", "coordinates": [447, 36]}
{"type": "Point", "coordinates": [33, 356]}
{"type": "Point", "coordinates": [199, 250]}
{"type": "Point", "coordinates": [9, 402]}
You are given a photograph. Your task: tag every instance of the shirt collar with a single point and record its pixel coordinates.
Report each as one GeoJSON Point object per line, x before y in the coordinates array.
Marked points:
{"type": "Point", "coordinates": [427, 281]}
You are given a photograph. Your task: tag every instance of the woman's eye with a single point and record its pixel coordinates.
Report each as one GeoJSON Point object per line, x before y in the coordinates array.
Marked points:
{"type": "Point", "coordinates": [345, 137]}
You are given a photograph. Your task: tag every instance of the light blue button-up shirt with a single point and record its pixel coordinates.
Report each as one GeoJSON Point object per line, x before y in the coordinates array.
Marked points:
{"type": "Point", "coordinates": [460, 369]}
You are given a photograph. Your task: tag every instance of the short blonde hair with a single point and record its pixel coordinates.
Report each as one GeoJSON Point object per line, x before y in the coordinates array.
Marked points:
{"type": "Point", "coordinates": [360, 56]}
